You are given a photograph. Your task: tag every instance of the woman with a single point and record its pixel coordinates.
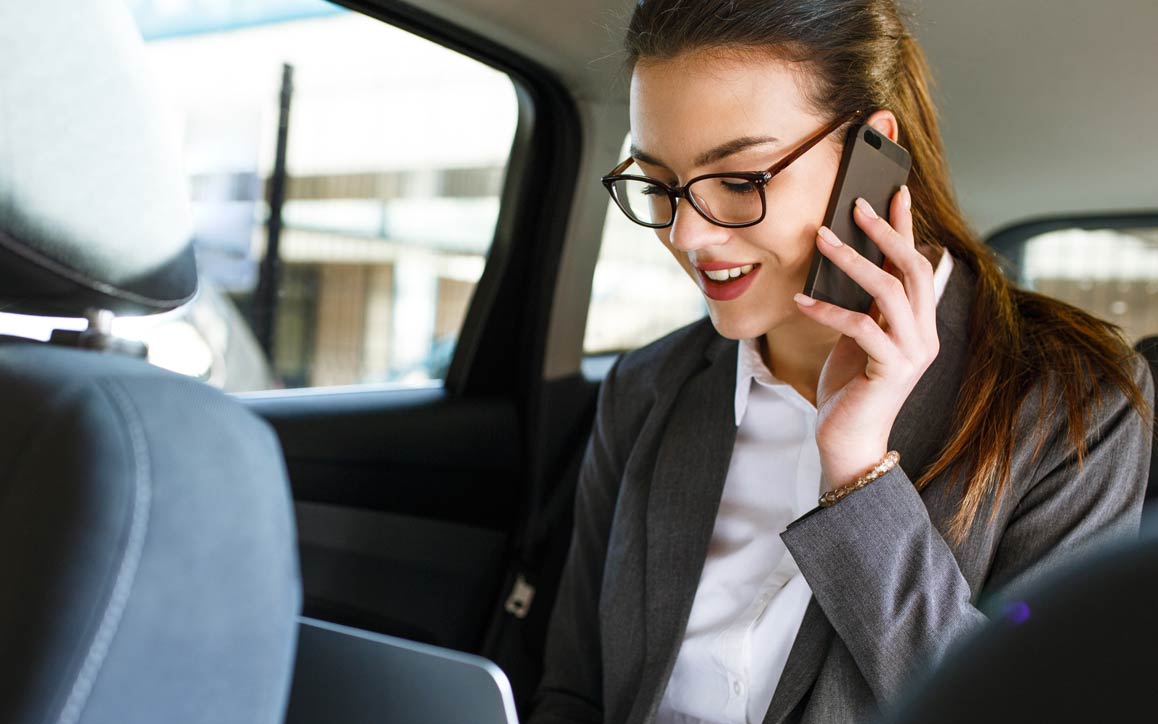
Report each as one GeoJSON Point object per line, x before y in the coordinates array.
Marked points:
{"type": "Point", "coordinates": [747, 547]}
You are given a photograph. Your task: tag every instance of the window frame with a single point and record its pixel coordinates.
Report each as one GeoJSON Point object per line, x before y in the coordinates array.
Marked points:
{"type": "Point", "coordinates": [501, 344]}
{"type": "Point", "coordinates": [1009, 241]}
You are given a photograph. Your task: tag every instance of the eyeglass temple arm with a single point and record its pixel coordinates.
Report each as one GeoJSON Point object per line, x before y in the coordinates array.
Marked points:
{"type": "Point", "coordinates": [620, 168]}
{"type": "Point", "coordinates": [820, 136]}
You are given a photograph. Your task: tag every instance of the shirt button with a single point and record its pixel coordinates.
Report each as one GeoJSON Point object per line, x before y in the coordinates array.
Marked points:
{"type": "Point", "coordinates": [737, 688]}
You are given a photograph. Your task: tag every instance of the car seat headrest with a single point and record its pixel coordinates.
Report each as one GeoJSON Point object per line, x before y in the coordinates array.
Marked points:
{"type": "Point", "coordinates": [94, 212]}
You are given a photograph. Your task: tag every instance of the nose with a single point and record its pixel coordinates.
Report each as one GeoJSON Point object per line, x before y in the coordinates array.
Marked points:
{"type": "Point", "coordinates": [690, 231]}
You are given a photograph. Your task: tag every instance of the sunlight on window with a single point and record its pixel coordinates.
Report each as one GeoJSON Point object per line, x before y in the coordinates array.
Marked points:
{"type": "Point", "coordinates": [395, 159]}
{"type": "Point", "coordinates": [1110, 273]}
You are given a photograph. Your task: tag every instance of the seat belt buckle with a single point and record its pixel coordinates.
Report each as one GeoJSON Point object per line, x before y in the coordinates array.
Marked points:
{"type": "Point", "coordinates": [519, 602]}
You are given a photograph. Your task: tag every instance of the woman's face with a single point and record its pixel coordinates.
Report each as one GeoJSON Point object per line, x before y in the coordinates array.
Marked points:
{"type": "Point", "coordinates": [710, 113]}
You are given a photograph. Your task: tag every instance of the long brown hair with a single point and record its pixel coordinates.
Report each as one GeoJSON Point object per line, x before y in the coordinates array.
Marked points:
{"type": "Point", "coordinates": [861, 56]}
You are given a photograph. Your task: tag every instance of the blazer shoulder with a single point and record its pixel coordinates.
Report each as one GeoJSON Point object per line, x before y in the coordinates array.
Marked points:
{"type": "Point", "coordinates": [1111, 414]}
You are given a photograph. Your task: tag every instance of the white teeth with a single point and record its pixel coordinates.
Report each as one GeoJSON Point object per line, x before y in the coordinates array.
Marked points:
{"type": "Point", "coordinates": [723, 275]}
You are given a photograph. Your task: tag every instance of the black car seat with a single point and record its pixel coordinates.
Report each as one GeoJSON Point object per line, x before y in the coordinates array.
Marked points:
{"type": "Point", "coordinates": [1148, 347]}
{"type": "Point", "coordinates": [148, 567]}
{"type": "Point", "coordinates": [1075, 646]}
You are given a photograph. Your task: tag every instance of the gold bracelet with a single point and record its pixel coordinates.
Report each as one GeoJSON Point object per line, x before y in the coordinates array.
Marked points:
{"type": "Point", "coordinates": [887, 463]}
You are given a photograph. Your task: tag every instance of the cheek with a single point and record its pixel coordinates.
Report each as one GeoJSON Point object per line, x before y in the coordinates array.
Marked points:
{"type": "Point", "coordinates": [795, 212]}
{"type": "Point", "coordinates": [786, 242]}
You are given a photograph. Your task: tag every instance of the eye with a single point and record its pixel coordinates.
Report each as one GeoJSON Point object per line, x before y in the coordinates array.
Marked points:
{"type": "Point", "coordinates": [651, 190]}
{"type": "Point", "coordinates": [738, 186]}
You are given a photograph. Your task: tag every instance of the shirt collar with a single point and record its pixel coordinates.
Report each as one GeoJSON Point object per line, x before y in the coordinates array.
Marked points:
{"type": "Point", "coordinates": [750, 366]}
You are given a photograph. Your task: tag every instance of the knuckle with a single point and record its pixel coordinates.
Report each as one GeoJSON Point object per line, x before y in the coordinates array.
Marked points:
{"type": "Point", "coordinates": [850, 258]}
{"type": "Point", "coordinates": [864, 325]}
{"type": "Point", "coordinates": [916, 266]}
{"type": "Point", "coordinates": [894, 287]}
{"type": "Point", "coordinates": [919, 267]}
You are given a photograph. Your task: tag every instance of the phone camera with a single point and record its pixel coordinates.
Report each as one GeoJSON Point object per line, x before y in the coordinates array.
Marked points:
{"type": "Point", "coordinates": [873, 139]}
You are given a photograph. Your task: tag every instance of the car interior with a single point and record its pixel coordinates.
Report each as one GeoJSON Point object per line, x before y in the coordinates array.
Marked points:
{"type": "Point", "coordinates": [173, 518]}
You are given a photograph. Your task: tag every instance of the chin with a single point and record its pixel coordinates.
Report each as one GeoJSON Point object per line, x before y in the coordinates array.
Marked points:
{"type": "Point", "coordinates": [736, 324]}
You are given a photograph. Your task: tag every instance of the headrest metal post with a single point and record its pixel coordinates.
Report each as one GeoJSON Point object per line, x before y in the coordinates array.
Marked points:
{"type": "Point", "coordinates": [100, 321]}
{"type": "Point", "coordinates": [99, 336]}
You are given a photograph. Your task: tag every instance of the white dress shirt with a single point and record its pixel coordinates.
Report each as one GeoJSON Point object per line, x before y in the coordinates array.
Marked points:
{"type": "Point", "coordinates": [751, 596]}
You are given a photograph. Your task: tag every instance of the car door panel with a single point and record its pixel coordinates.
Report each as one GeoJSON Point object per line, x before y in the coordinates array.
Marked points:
{"type": "Point", "coordinates": [404, 501]}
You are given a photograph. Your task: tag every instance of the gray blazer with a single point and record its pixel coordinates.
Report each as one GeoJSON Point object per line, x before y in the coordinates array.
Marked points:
{"type": "Point", "coordinates": [888, 593]}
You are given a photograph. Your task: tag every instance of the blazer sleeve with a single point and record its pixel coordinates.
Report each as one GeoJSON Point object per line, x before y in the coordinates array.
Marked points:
{"type": "Point", "coordinates": [571, 690]}
{"type": "Point", "coordinates": [888, 582]}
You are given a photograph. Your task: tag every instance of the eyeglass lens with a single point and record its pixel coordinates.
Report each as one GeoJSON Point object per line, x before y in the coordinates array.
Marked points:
{"type": "Point", "coordinates": [729, 200]}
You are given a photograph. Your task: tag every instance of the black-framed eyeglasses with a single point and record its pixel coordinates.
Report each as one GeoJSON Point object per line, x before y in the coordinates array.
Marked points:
{"type": "Point", "coordinates": [734, 200]}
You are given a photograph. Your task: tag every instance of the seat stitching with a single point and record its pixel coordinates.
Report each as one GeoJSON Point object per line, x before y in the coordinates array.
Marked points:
{"type": "Point", "coordinates": [126, 574]}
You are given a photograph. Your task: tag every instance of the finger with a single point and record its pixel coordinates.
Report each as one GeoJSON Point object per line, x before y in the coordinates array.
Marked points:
{"type": "Point", "coordinates": [886, 290]}
{"type": "Point", "coordinates": [860, 327]}
{"type": "Point", "coordinates": [901, 213]}
{"type": "Point", "coordinates": [874, 311]}
{"type": "Point", "coordinates": [896, 241]}
{"type": "Point", "coordinates": [918, 279]}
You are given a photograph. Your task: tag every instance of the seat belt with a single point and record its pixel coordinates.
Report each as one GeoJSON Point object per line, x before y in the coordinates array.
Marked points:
{"type": "Point", "coordinates": [516, 633]}
{"type": "Point", "coordinates": [540, 523]}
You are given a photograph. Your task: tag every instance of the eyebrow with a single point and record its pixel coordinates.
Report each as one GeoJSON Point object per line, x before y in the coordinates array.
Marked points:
{"type": "Point", "coordinates": [716, 154]}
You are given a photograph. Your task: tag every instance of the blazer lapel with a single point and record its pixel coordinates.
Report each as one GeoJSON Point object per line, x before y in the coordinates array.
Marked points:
{"type": "Point", "coordinates": [921, 428]}
{"type": "Point", "coordinates": [683, 500]}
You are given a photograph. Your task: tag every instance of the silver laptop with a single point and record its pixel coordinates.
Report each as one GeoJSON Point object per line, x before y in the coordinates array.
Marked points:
{"type": "Point", "coordinates": [348, 676]}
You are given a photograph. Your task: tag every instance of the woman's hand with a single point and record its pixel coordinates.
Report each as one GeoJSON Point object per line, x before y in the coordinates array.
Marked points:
{"type": "Point", "coordinates": [874, 366]}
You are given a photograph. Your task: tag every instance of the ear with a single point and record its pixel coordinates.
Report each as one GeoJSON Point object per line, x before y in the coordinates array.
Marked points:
{"type": "Point", "coordinates": [885, 122]}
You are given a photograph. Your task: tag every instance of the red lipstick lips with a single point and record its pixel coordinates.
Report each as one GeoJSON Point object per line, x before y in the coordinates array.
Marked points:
{"type": "Point", "coordinates": [727, 290]}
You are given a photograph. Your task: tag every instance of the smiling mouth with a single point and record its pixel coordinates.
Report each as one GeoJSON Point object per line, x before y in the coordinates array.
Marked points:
{"type": "Point", "coordinates": [723, 275]}
{"type": "Point", "coordinates": [724, 285]}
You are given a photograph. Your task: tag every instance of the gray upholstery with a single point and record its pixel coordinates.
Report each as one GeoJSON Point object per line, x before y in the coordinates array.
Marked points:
{"type": "Point", "coordinates": [93, 207]}
{"type": "Point", "coordinates": [147, 553]}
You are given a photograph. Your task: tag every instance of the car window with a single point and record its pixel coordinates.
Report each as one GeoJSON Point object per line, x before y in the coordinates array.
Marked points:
{"type": "Point", "coordinates": [639, 292]}
{"type": "Point", "coordinates": [1110, 272]}
{"type": "Point", "coordinates": [394, 160]}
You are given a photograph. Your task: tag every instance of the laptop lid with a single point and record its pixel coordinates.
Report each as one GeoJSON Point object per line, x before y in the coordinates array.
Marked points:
{"type": "Point", "coordinates": [349, 676]}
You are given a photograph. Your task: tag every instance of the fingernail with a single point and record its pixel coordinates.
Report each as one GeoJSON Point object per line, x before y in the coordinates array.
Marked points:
{"type": "Point", "coordinates": [906, 197]}
{"type": "Point", "coordinates": [826, 233]}
{"type": "Point", "coordinates": [864, 206]}
{"type": "Point", "coordinates": [803, 299]}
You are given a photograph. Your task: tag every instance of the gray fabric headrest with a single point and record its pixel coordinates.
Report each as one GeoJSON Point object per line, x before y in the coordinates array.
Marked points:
{"type": "Point", "coordinates": [93, 206]}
